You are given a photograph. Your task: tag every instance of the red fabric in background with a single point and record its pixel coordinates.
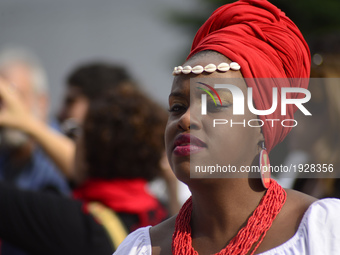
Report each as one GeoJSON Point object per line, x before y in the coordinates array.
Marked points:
{"type": "Point", "coordinates": [266, 44]}
{"type": "Point", "coordinates": [125, 196]}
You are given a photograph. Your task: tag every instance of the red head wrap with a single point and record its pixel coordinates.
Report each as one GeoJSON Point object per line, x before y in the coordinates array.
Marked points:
{"type": "Point", "coordinates": [266, 44]}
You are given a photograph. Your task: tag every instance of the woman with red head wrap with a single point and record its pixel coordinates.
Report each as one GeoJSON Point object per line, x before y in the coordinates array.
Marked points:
{"type": "Point", "coordinates": [249, 44]}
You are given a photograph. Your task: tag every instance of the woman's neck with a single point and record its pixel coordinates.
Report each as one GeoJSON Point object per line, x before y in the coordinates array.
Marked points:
{"type": "Point", "coordinates": [221, 208]}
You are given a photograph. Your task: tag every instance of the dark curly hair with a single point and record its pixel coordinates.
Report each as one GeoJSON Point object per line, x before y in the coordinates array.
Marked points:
{"type": "Point", "coordinates": [123, 135]}
{"type": "Point", "coordinates": [94, 78]}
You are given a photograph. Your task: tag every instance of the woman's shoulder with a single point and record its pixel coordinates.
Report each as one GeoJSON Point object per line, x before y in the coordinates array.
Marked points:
{"type": "Point", "coordinates": [311, 210]}
{"type": "Point", "coordinates": [139, 241]}
{"type": "Point", "coordinates": [328, 208]}
{"type": "Point", "coordinates": [322, 220]}
{"type": "Point", "coordinates": [161, 236]}
{"type": "Point", "coordinates": [136, 243]}
{"type": "Point", "coordinates": [318, 231]}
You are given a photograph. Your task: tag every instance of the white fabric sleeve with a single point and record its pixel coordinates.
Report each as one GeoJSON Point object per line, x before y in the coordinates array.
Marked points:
{"type": "Point", "coordinates": [318, 232]}
{"type": "Point", "coordinates": [136, 243]}
{"type": "Point", "coordinates": [323, 228]}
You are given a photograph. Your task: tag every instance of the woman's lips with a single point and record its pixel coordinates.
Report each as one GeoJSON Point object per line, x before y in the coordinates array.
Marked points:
{"type": "Point", "coordinates": [186, 144]}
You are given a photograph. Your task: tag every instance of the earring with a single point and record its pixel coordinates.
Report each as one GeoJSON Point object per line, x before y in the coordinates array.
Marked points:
{"type": "Point", "coordinates": [264, 167]}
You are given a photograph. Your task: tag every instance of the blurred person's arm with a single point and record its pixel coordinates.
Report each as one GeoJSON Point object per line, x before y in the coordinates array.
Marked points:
{"type": "Point", "coordinates": [13, 114]}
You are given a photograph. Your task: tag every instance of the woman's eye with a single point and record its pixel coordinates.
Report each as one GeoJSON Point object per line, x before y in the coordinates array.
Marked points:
{"type": "Point", "coordinates": [211, 107]}
{"type": "Point", "coordinates": [177, 108]}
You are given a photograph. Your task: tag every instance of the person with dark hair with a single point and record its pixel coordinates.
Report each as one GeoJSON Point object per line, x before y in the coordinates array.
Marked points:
{"type": "Point", "coordinates": [248, 48]}
{"type": "Point", "coordinates": [118, 150]}
{"type": "Point", "coordinates": [85, 83]}
{"type": "Point", "coordinates": [134, 123]}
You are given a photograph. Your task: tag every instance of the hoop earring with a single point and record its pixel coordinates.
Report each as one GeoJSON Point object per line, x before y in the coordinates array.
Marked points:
{"type": "Point", "coordinates": [264, 167]}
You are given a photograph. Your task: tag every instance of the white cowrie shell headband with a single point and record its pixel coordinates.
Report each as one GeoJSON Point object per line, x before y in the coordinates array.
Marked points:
{"type": "Point", "coordinates": [223, 67]}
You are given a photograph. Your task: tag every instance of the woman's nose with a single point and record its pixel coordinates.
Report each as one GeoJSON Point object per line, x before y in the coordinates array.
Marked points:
{"type": "Point", "coordinates": [190, 120]}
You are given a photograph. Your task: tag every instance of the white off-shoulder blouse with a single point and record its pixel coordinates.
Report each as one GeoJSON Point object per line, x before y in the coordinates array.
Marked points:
{"type": "Point", "coordinates": [318, 234]}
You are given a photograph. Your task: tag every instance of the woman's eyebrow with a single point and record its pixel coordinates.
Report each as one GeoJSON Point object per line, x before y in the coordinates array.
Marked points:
{"type": "Point", "coordinates": [224, 92]}
{"type": "Point", "coordinates": [176, 94]}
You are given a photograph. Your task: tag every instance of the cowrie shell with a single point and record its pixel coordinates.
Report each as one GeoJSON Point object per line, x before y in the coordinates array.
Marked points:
{"type": "Point", "coordinates": [235, 66]}
{"type": "Point", "coordinates": [174, 71]}
{"type": "Point", "coordinates": [187, 69]}
{"type": "Point", "coordinates": [179, 69]}
{"type": "Point", "coordinates": [223, 67]}
{"type": "Point", "coordinates": [210, 68]}
{"type": "Point", "coordinates": [197, 69]}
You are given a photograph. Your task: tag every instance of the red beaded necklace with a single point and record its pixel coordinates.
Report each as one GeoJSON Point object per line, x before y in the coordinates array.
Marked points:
{"type": "Point", "coordinates": [254, 232]}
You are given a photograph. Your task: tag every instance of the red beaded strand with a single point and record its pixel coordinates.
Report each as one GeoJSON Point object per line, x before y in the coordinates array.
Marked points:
{"type": "Point", "coordinates": [254, 232]}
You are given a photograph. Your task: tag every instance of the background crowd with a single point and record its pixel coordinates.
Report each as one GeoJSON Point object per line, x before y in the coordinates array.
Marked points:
{"type": "Point", "coordinates": [97, 155]}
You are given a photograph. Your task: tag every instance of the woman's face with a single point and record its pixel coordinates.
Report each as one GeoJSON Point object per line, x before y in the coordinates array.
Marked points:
{"type": "Point", "coordinates": [191, 138]}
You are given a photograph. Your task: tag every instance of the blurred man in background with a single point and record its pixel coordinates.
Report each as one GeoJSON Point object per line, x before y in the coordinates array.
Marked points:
{"type": "Point", "coordinates": [22, 162]}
